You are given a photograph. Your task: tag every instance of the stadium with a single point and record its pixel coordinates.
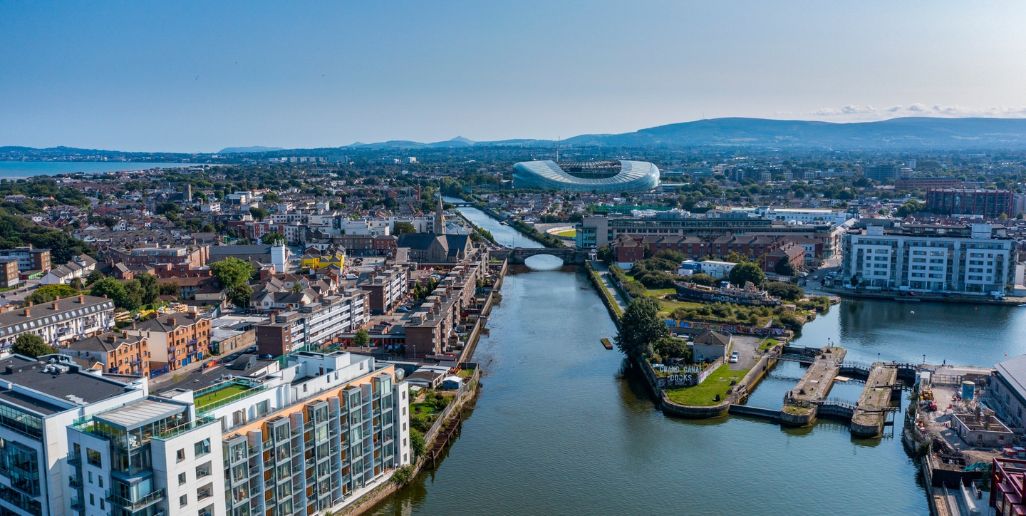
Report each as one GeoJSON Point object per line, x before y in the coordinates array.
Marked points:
{"type": "Point", "coordinates": [588, 176]}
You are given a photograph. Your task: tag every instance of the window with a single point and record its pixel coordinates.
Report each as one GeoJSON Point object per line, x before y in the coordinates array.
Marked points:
{"type": "Point", "coordinates": [205, 492]}
{"type": "Point", "coordinates": [183, 500]}
{"type": "Point", "coordinates": [92, 500]}
{"type": "Point", "coordinates": [202, 448]}
{"type": "Point", "coordinates": [203, 470]}
{"type": "Point", "coordinates": [181, 479]}
{"type": "Point", "coordinates": [93, 457]}
{"type": "Point", "coordinates": [89, 477]}
{"type": "Point", "coordinates": [180, 455]}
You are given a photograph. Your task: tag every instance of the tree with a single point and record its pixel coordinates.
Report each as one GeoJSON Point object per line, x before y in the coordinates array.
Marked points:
{"type": "Point", "coordinates": [784, 290]}
{"type": "Point", "coordinates": [784, 267]}
{"type": "Point", "coordinates": [745, 272]}
{"type": "Point", "coordinates": [272, 237]}
{"type": "Point", "coordinates": [639, 328]}
{"type": "Point", "coordinates": [48, 293]}
{"type": "Point", "coordinates": [123, 296]}
{"type": "Point", "coordinates": [402, 228]}
{"type": "Point", "coordinates": [702, 278]}
{"type": "Point", "coordinates": [239, 295]}
{"type": "Point", "coordinates": [31, 345]}
{"type": "Point", "coordinates": [149, 287]}
{"type": "Point", "coordinates": [671, 347]}
{"type": "Point", "coordinates": [417, 443]}
{"type": "Point", "coordinates": [258, 213]}
{"type": "Point", "coordinates": [232, 272]}
{"type": "Point", "coordinates": [910, 207]}
{"type": "Point", "coordinates": [362, 338]}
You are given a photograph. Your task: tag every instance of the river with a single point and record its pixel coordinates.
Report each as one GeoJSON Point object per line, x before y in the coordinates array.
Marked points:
{"type": "Point", "coordinates": [559, 430]}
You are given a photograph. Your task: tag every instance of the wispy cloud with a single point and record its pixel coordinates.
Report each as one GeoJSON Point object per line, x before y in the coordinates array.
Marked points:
{"type": "Point", "coordinates": [868, 112]}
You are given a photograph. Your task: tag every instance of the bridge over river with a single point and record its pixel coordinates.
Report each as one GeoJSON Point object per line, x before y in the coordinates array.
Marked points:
{"type": "Point", "coordinates": [518, 255]}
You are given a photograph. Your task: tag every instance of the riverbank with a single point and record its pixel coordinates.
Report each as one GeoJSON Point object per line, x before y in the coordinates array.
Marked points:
{"type": "Point", "coordinates": [905, 297]}
{"type": "Point", "coordinates": [436, 440]}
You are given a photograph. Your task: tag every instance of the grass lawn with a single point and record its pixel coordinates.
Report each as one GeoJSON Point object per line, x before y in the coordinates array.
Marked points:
{"type": "Point", "coordinates": [465, 373]}
{"type": "Point", "coordinates": [567, 233]}
{"type": "Point", "coordinates": [704, 394]}
{"type": "Point", "coordinates": [220, 394]}
{"type": "Point", "coordinates": [768, 344]}
{"type": "Point", "coordinates": [423, 415]}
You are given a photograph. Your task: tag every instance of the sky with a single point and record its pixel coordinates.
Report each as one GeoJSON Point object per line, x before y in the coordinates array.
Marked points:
{"type": "Point", "coordinates": [198, 76]}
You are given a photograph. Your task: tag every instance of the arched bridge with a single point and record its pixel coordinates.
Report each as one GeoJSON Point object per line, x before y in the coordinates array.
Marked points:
{"type": "Point", "coordinates": [567, 254]}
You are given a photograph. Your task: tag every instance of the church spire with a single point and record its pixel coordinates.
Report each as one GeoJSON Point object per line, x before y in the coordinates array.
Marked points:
{"type": "Point", "coordinates": [440, 217]}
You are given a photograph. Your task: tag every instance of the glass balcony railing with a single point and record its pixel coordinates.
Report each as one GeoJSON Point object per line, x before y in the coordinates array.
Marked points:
{"type": "Point", "coordinates": [135, 505]}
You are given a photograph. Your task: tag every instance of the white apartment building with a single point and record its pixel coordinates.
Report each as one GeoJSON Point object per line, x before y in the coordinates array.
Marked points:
{"type": "Point", "coordinates": [303, 438]}
{"type": "Point", "coordinates": [38, 401]}
{"type": "Point", "coordinates": [961, 260]}
{"type": "Point", "coordinates": [797, 215]}
{"type": "Point", "coordinates": [58, 322]}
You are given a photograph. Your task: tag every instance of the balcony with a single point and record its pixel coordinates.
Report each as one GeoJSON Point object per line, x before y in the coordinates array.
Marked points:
{"type": "Point", "coordinates": [139, 504]}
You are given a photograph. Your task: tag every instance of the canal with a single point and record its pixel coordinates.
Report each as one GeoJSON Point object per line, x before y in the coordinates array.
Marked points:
{"type": "Point", "coordinates": [558, 429]}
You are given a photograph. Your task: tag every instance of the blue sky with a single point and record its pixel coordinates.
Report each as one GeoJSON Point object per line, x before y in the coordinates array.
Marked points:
{"type": "Point", "coordinates": [198, 76]}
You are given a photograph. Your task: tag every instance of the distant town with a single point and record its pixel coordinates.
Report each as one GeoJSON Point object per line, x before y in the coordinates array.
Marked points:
{"type": "Point", "coordinates": [263, 333]}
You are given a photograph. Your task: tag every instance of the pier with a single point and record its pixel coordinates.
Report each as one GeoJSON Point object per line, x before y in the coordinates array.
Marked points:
{"type": "Point", "coordinates": [802, 403]}
{"type": "Point", "coordinates": [875, 403]}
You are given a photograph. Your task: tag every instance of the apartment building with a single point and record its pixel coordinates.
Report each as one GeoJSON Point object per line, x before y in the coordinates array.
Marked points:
{"type": "Point", "coordinates": [58, 322]}
{"type": "Point", "coordinates": [302, 438]}
{"type": "Point", "coordinates": [9, 276]}
{"type": "Point", "coordinates": [433, 327]}
{"type": "Point", "coordinates": [29, 258]}
{"type": "Point", "coordinates": [174, 341]}
{"type": "Point", "coordinates": [975, 259]}
{"type": "Point", "coordinates": [118, 352]}
{"type": "Point", "coordinates": [963, 201]}
{"type": "Point", "coordinates": [166, 260]}
{"type": "Point", "coordinates": [38, 400]}
{"type": "Point", "coordinates": [386, 288]}
{"type": "Point", "coordinates": [314, 324]}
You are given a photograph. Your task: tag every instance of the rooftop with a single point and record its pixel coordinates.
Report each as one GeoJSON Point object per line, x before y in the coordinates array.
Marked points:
{"type": "Point", "coordinates": [72, 386]}
{"type": "Point", "coordinates": [17, 321]}
{"type": "Point", "coordinates": [141, 412]}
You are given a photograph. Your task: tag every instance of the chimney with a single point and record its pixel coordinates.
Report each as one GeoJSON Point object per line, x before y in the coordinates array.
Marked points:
{"type": "Point", "coordinates": [81, 299]}
{"type": "Point", "coordinates": [55, 305]}
{"type": "Point", "coordinates": [28, 311]}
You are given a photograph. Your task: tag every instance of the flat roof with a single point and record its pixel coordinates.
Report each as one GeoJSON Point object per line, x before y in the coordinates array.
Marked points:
{"type": "Point", "coordinates": [139, 413]}
{"type": "Point", "coordinates": [74, 387]}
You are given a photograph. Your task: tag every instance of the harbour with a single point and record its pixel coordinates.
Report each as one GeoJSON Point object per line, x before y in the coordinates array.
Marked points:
{"type": "Point", "coordinates": [556, 409]}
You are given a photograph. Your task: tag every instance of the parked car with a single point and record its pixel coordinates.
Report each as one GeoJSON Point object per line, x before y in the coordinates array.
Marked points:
{"type": "Point", "coordinates": [734, 357]}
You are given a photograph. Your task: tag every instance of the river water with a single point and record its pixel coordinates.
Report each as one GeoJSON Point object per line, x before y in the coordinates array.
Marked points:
{"type": "Point", "coordinates": [559, 430]}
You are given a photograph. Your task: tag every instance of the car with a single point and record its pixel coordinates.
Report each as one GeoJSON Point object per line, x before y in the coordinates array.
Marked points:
{"type": "Point", "coordinates": [734, 357]}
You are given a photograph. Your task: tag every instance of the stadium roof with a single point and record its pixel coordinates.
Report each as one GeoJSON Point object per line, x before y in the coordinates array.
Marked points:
{"type": "Point", "coordinates": [633, 176]}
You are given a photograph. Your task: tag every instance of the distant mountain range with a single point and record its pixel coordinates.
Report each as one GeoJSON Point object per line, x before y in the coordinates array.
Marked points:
{"type": "Point", "coordinates": [752, 133]}
{"type": "Point", "coordinates": [246, 150]}
{"type": "Point", "coordinates": [894, 134]}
